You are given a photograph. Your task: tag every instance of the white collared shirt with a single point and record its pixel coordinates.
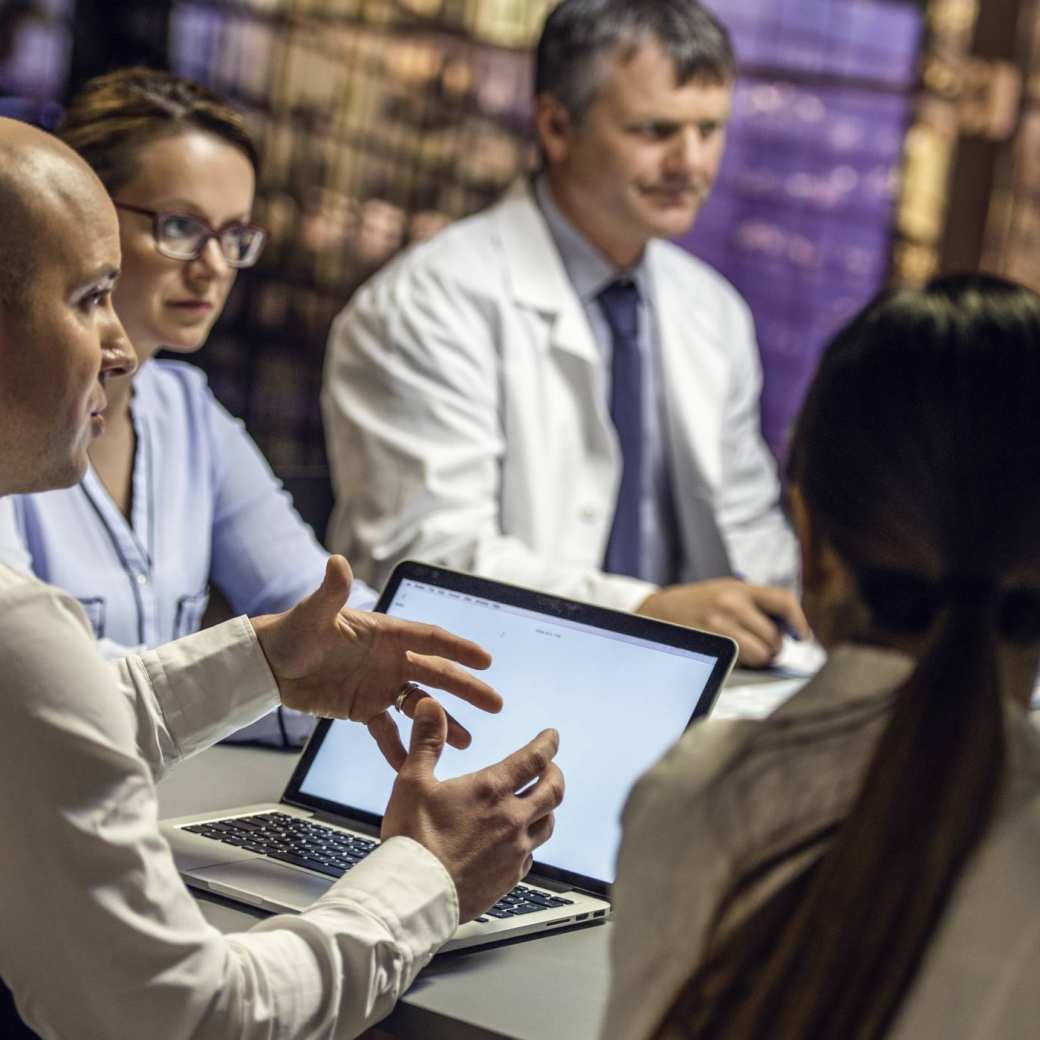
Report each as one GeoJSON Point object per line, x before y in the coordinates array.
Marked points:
{"type": "Point", "coordinates": [100, 937]}
{"type": "Point", "coordinates": [590, 273]}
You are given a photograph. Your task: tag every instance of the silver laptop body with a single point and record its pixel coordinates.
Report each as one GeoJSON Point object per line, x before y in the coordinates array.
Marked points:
{"type": "Point", "coordinates": [619, 688]}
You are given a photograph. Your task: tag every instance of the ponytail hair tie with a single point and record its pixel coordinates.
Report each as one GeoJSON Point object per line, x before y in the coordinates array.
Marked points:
{"type": "Point", "coordinates": [908, 602]}
{"type": "Point", "coordinates": [1019, 617]}
{"type": "Point", "coordinates": [970, 590]}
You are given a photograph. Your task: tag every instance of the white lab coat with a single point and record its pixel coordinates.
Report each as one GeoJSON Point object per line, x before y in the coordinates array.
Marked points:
{"type": "Point", "coordinates": [468, 425]}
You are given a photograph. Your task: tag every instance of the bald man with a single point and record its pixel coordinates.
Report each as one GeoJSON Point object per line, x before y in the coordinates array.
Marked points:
{"type": "Point", "coordinates": [100, 937]}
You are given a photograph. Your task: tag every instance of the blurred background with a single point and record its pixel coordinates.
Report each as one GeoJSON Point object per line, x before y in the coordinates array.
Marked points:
{"type": "Point", "coordinates": [873, 142]}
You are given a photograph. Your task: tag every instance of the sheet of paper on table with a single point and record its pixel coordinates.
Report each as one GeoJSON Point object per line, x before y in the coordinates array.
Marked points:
{"type": "Point", "coordinates": [796, 663]}
{"type": "Point", "coordinates": [799, 657]}
{"type": "Point", "coordinates": [794, 666]}
{"type": "Point", "coordinates": [756, 700]}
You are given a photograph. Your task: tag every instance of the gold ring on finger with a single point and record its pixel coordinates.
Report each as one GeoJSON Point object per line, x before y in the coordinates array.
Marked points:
{"type": "Point", "coordinates": [406, 691]}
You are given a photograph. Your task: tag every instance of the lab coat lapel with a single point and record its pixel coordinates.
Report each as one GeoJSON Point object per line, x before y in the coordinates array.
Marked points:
{"type": "Point", "coordinates": [542, 289]}
{"type": "Point", "coordinates": [694, 367]}
{"type": "Point", "coordinates": [695, 375]}
{"type": "Point", "coordinates": [539, 280]}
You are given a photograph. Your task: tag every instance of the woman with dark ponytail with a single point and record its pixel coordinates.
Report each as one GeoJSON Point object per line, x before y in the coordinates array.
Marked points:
{"type": "Point", "coordinates": [866, 862]}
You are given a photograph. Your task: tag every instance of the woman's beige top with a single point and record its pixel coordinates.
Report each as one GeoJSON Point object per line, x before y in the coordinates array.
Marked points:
{"type": "Point", "coordinates": [713, 807]}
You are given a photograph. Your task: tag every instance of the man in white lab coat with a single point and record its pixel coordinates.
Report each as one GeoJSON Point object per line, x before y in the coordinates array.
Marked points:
{"type": "Point", "coordinates": [550, 393]}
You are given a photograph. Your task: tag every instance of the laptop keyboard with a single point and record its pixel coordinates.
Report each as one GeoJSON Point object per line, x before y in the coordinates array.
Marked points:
{"type": "Point", "coordinates": [332, 852]}
{"type": "Point", "coordinates": [291, 840]}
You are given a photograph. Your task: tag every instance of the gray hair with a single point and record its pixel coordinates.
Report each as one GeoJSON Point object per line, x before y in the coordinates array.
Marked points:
{"type": "Point", "coordinates": [579, 34]}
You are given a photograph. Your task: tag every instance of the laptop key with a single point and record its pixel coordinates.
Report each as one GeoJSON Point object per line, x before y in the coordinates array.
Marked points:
{"type": "Point", "coordinates": [248, 823]}
{"type": "Point", "coordinates": [330, 870]}
{"type": "Point", "coordinates": [536, 897]}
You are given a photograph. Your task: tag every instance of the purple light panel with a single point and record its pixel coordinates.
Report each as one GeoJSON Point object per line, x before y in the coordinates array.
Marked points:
{"type": "Point", "coordinates": [800, 218]}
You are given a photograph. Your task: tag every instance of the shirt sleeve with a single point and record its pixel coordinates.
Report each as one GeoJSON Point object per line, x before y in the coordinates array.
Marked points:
{"type": "Point", "coordinates": [189, 694]}
{"type": "Point", "coordinates": [100, 936]}
{"type": "Point", "coordinates": [264, 557]}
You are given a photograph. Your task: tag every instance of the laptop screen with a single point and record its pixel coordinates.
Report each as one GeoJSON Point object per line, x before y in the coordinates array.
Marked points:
{"type": "Point", "coordinates": [619, 697]}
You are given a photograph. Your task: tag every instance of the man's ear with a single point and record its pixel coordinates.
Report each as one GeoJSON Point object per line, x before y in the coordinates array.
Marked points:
{"type": "Point", "coordinates": [552, 125]}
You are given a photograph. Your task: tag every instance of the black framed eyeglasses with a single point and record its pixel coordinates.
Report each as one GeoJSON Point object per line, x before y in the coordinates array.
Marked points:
{"type": "Point", "coordinates": [183, 237]}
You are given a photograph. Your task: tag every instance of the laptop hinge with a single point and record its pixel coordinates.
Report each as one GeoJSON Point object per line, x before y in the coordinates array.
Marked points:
{"type": "Point", "coordinates": [343, 821]}
{"type": "Point", "coordinates": [550, 883]}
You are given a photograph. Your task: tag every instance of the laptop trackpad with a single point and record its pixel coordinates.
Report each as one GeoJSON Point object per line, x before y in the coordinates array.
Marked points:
{"type": "Point", "coordinates": [264, 882]}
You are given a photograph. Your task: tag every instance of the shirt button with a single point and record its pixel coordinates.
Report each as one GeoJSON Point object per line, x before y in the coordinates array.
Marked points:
{"type": "Point", "coordinates": [588, 515]}
{"type": "Point", "coordinates": [142, 579]}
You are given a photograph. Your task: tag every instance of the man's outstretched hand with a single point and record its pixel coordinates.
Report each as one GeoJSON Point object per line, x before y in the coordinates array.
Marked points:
{"type": "Point", "coordinates": [478, 825]}
{"type": "Point", "coordinates": [348, 664]}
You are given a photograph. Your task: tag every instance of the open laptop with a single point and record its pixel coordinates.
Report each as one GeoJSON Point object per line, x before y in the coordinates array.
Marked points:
{"type": "Point", "coordinates": [620, 689]}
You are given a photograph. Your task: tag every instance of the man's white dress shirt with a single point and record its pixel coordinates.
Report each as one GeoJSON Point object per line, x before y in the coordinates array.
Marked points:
{"type": "Point", "coordinates": [590, 273]}
{"type": "Point", "coordinates": [100, 937]}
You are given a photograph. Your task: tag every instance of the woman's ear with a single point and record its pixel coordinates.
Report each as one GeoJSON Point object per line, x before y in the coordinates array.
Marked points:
{"type": "Point", "coordinates": [803, 529]}
{"type": "Point", "coordinates": [830, 594]}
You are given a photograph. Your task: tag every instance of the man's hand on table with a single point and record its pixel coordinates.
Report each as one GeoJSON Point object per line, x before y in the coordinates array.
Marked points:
{"type": "Point", "coordinates": [477, 825]}
{"type": "Point", "coordinates": [347, 664]}
{"type": "Point", "coordinates": [753, 615]}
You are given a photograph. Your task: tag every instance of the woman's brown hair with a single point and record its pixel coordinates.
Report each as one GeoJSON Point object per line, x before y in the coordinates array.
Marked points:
{"type": "Point", "coordinates": [917, 456]}
{"type": "Point", "coordinates": [113, 115]}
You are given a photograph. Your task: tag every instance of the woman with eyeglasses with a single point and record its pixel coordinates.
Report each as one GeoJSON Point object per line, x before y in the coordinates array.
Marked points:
{"type": "Point", "coordinates": [177, 498]}
{"type": "Point", "coordinates": [863, 864]}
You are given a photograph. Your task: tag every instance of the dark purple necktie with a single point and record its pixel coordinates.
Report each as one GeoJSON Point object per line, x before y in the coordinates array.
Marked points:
{"type": "Point", "coordinates": [620, 305]}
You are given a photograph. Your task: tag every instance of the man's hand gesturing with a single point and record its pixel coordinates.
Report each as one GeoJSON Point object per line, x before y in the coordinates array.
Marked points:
{"type": "Point", "coordinates": [348, 664]}
{"type": "Point", "coordinates": [477, 825]}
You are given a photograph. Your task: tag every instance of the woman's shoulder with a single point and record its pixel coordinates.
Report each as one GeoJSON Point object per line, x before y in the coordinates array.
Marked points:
{"type": "Point", "coordinates": [683, 780]}
{"type": "Point", "coordinates": [172, 382]}
{"type": "Point", "coordinates": [755, 781]}
{"type": "Point", "coordinates": [176, 394]}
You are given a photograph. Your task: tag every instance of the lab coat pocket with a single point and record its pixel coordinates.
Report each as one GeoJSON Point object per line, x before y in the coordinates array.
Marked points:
{"type": "Point", "coordinates": [189, 613]}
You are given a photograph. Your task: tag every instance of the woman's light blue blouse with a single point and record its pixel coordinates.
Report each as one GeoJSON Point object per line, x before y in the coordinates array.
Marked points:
{"type": "Point", "coordinates": [206, 508]}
